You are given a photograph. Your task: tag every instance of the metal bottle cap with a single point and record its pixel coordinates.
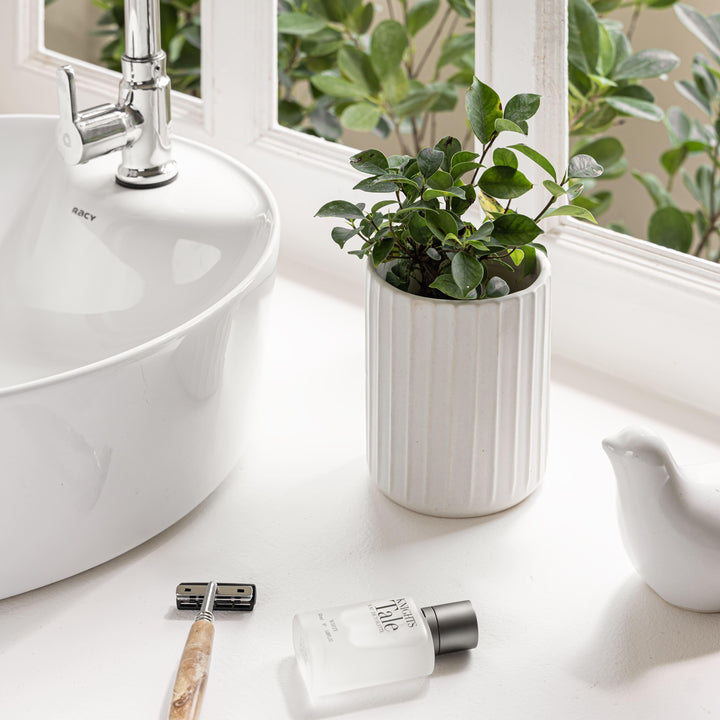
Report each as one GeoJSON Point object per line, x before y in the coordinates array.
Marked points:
{"type": "Point", "coordinates": [453, 626]}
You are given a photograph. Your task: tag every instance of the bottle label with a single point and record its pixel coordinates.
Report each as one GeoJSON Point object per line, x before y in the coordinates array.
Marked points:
{"type": "Point", "coordinates": [393, 615]}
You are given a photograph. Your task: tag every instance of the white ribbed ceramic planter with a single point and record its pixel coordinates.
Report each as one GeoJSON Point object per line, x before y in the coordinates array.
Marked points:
{"type": "Point", "coordinates": [457, 397]}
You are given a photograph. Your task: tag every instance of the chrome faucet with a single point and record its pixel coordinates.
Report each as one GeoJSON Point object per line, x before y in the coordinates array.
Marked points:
{"type": "Point", "coordinates": [139, 123]}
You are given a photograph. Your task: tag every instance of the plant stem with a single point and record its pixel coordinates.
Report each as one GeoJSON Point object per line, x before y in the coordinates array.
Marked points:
{"type": "Point", "coordinates": [546, 208]}
{"type": "Point", "coordinates": [482, 157]}
{"type": "Point", "coordinates": [634, 21]}
{"type": "Point", "coordinates": [435, 38]}
{"type": "Point", "coordinates": [416, 135]}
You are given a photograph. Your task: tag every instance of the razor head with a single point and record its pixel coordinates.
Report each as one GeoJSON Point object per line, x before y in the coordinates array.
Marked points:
{"type": "Point", "coordinates": [229, 596]}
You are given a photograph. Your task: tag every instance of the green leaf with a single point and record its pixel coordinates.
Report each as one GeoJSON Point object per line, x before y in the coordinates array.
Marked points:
{"type": "Point", "coordinates": [690, 92]}
{"type": "Point", "coordinates": [440, 180]}
{"type": "Point", "coordinates": [464, 156]}
{"type": "Point", "coordinates": [503, 125]}
{"type": "Point", "coordinates": [290, 114]}
{"type": "Point", "coordinates": [553, 188]}
{"type": "Point", "coordinates": [431, 194]}
{"type": "Point", "coordinates": [607, 56]}
{"type": "Point", "coordinates": [429, 161]}
{"type": "Point", "coordinates": [517, 256]}
{"type": "Point", "coordinates": [342, 234]}
{"type": "Point", "coordinates": [460, 169]}
{"type": "Point", "coordinates": [457, 49]}
{"type": "Point", "coordinates": [699, 26]}
{"type": "Point", "coordinates": [337, 87]}
{"type": "Point", "coordinates": [655, 188]}
{"type": "Point", "coordinates": [575, 190]}
{"type": "Point", "coordinates": [484, 231]}
{"type": "Point", "coordinates": [373, 185]}
{"type": "Point", "coordinates": [449, 146]}
{"type": "Point", "coordinates": [372, 162]}
{"type": "Point", "coordinates": [503, 156]}
{"type": "Point", "coordinates": [446, 285]}
{"type": "Point", "coordinates": [420, 14]}
{"type": "Point", "coordinates": [496, 287]}
{"type": "Point", "coordinates": [605, 6]}
{"type": "Point", "coordinates": [421, 100]}
{"type": "Point", "coordinates": [382, 249]}
{"type": "Point", "coordinates": [515, 229]}
{"type": "Point", "coordinates": [583, 166]}
{"type": "Point", "coordinates": [299, 24]}
{"type": "Point", "coordinates": [363, 18]}
{"type": "Point", "coordinates": [636, 108]}
{"type": "Point", "coordinates": [356, 66]}
{"type": "Point", "coordinates": [646, 64]}
{"type": "Point", "coordinates": [362, 117]}
{"type": "Point", "coordinates": [638, 92]}
{"type": "Point", "coordinates": [441, 223]}
{"type": "Point", "coordinates": [504, 182]}
{"type": "Point", "coordinates": [341, 209]}
{"type": "Point", "coordinates": [606, 151]}
{"type": "Point", "coordinates": [584, 36]}
{"type": "Point", "coordinates": [537, 158]}
{"type": "Point", "coordinates": [467, 272]}
{"type": "Point", "coordinates": [483, 108]}
{"type": "Point", "coordinates": [387, 46]}
{"type": "Point", "coordinates": [521, 107]}
{"type": "Point", "coordinates": [673, 159]}
{"type": "Point", "coordinates": [670, 228]}
{"type": "Point", "coordinates": [573, 211]}
{"type": "Point", "coordinates": [396, 86]}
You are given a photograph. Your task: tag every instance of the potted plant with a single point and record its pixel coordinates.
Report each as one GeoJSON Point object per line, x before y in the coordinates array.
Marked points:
{"type": "Point", "coordinates": [457, 312]}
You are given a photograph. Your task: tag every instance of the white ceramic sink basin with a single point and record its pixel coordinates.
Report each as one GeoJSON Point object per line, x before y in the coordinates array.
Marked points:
{"type": "Point", "coordinates": [130, 332]}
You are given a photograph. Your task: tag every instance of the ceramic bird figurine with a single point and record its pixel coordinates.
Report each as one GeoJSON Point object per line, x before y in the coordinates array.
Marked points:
{"type": "Point", "coordinates": [669, 519]}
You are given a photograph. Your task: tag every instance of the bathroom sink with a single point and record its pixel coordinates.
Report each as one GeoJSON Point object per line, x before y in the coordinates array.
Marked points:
{"type": "Point", "coordinates": [131, 326]}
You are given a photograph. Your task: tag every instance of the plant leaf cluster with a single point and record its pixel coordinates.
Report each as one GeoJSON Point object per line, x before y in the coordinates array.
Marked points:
{"type": "Point", "coordinates": [698, 231]}
{"type": "Point", "coordinates": [339, 68]}
{"type": "Point", "coordinates": [180, 37]}
{"type": "Point", "coordinates": [607, 85]}
{"type": "Point", "coordinates": [422, 229]}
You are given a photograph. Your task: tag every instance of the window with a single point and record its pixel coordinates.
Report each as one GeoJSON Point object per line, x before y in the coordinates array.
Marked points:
{"type": "Point", "coordinates": [635, 311]}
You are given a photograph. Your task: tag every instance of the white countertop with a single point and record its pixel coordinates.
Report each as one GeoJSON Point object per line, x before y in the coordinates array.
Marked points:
{"type": "Point", "coordinates": [567, 629]}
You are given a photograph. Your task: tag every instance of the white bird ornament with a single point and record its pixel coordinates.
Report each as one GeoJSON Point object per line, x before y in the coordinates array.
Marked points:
{"type": "Point", "coordinates": [669, 519]}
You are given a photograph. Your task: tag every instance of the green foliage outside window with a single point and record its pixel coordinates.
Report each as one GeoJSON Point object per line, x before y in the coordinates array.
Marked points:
{"type": "Point", "coordinates": [342, 67]}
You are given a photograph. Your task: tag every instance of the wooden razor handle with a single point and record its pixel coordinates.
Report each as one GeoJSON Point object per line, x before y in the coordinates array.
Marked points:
{"type": "Point", "coordinates": [193, 672]}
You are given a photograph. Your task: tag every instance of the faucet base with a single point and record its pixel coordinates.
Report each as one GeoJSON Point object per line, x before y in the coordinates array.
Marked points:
{"type": "Point", "coordinates": [150, 178]}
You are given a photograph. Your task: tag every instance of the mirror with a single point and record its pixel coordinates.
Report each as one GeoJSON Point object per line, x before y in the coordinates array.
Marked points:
{"type": "Point", "coordinates": [388, 75]}
{"type": "Point", "coordinates": [645, 103]}
{"type": "Point", "coordinates": [93, 31]}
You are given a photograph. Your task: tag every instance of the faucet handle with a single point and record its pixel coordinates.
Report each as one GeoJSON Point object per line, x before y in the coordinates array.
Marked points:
{"type": "Point", "coordinates": [86, 134]}
{"type": "Point", "coordinates": [70, 142]}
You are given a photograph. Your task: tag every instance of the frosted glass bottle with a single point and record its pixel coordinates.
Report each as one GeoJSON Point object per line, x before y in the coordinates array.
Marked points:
{"type": "Point", "coordinates": [354, 646]}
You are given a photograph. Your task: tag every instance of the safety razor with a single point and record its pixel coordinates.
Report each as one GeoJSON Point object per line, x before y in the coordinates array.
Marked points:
{"type": "Point", "coordinates": [194, 667]}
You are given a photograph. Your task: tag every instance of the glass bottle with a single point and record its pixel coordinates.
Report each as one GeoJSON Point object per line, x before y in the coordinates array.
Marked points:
{"type": "Point", "coordinates": [354, 646]}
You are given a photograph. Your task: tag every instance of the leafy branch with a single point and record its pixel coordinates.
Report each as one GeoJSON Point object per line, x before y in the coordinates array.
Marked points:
{"type": "Point", "coordinates": [422, 233]}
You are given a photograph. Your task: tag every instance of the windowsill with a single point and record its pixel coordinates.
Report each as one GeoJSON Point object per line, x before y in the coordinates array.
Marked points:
{"type": "Point", "coordinates": [567, 629]}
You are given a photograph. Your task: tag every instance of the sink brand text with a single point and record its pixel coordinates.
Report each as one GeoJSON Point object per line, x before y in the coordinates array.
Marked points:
{"type": "Point", "coordinates": [83, 214]}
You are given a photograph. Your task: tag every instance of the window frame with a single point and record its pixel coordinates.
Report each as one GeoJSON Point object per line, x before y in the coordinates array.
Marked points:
{"type": "Point", "coordinates": [638, 312]}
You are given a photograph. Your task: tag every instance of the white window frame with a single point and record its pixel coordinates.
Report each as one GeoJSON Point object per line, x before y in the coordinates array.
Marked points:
{"type": "Point", "coordinates": [641, 313]}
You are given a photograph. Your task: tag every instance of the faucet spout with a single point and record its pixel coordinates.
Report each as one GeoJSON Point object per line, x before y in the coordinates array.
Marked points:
{"type": "Point", "coordinates": [142, 28]}
{"type": "Point", "coordinates": [139, 123]}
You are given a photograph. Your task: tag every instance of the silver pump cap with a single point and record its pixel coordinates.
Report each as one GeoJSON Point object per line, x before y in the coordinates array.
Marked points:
{"type": "Point", "coordinates": [453, 626]}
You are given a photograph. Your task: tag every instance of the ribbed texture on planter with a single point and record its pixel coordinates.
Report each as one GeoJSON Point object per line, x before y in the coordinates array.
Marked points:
{"type": "Point", "coordinates": [457, 397]}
